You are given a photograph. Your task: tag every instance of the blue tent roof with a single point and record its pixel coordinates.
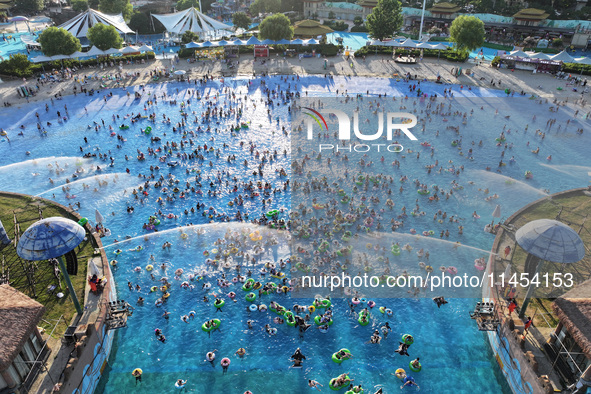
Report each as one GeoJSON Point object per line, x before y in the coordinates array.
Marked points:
{"type": "Point", "coordinates": [253, 41]}
{"type": "Point", "coordinates": [268, 42]}
{"type": "Point", "coordinates": [283, 42]}
{"type": "Point", "coordinates": [49, 238]}
{"type": "Point", "coordinates": [551, 240]}
{"type": "Point", "coordinates": [193, 44]}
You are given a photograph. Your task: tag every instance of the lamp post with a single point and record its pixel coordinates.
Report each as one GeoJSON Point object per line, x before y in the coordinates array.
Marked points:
{"type": "Point", "coordinates": [422, 20]}
{"type": "Point", "coordinates": [52, 238]}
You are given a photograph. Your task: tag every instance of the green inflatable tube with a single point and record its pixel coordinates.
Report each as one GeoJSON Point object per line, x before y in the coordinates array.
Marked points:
{"type": "Point", "coordinates": [248, 285]}
{"type": "Point", "coordinates": [317, 321]}
{"type": "Point", "coordinates": [219, 303]}
{"type": "Point", "coordinates": [412, 368]}
{"type": "Point", "coordinates": [83, 222]}
{"type": "Point", "coordinates": [363, 319]}
{"type": "Point", "coordinates": [337, 388]}
{"type": "Point", "coordinates": [289, 318]}
{"type": "Point", "coordinates": [251, 297]}
{"type": "Point", "coordinates": [216, 325]}
{"type": "Point", "coordinates": [338, 360]}
{"type": "Point", "coordinates": [408, 339]}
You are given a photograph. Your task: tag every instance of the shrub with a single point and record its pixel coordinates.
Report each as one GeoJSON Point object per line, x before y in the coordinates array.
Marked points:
{"type": "Point", "coordinates": [359, 29]}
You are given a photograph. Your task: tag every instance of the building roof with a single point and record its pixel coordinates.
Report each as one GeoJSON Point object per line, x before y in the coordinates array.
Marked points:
{"type": "Point", "coordinates": [574, 312]}
{"type": "Point", "coordinates": [19, 316]}
{"type": "Point", "coordinates": [445, 8]}
{"type": "Point", "coordinates": [368, 3]}
{"type": "Point", "coordinates": [80, 24]}
{"type": "Point", "coordinates": [531, 14]}
{"type": "Point", "coordinates": [310, 28]}
{"type": "Point", "coordinates": [190, 20]}
{"type": "Point", "coordinates": [343, 5]}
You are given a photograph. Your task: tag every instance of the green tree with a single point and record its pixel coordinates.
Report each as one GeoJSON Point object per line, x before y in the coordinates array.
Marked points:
{"type": "Point", "coordinates": [557, 43]}
{"type": "Point", "coordinates": [241, 20]}
{"type": "Point", "coordinates": [104, 36]}
{"type": "Point", "coordinates": [331, 15]}
{"type": "Point", "coordinates": [276, 27]}
{"type": "Point", "coordinates": [467, 32]}
{"type": "Point", "coordinates": [94, 4]}
{"type": "Point", "coordinates": [28, 6]}
{"type": "Point", "coordinates": [114, 7]}
{"type": "Point", "coordinates": [385, 19]}
{"type": "Point", "coordinates": [189, 36]}
{"type": "Point", "coordinates": [358, 21]}
{"type": "Point", "coordinates": [184, 4]}
{"type": "Point", "coordinates": [79, 5]}
{"type": "Point", "coordinates": [140, 22]}
{"type": "Point", "coordinates": [265, 7]}
{"type": "Point", "coordinates": [17, 65]}
{"type": "Point", "coordinates": [58, 41]}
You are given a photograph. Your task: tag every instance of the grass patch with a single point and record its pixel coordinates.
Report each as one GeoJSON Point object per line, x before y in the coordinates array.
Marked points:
{"type": "Point", "coordinates": [33, 278]}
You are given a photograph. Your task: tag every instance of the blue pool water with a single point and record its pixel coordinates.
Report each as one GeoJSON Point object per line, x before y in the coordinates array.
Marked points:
{"type": "Point", "coordinates": [454, 354]}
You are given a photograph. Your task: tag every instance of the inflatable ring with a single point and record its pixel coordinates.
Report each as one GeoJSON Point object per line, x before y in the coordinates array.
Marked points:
{"type": "Point", "coordinates": [215, 326]}
{"type": "Point", "coordinates": [251, 297]}
{"type": "Point", "coordinates": [336, 388]}
{"type": "Point", "coordinates": [289, 318]}
{"type": "Point", "coordinates": [338, 360]}
{"type": "Point", "coordinates": [253, 308]}
{"type": "Point", "coordinates": [412, 368]}
{"type": "Point", "coordinates": [153, 289]}
{"type": "Point", "coordinates": [225, 362]}
{"type": "Point", "coordinates": [400, 373]}
{"type": "Point", "coordinates": [382, 309]}
{"type": "Point", "coordinates": [311, 309]}
{"type": "Point", "coordinates": [83, 222]}
{"type": "Point", "coordinates": [389, 312]}
{"type": "Point", "coordinates": [113, 263]}
{"type": "Point", "coordinates": [318, 323]}
{"type": "Point", "coordinates": [408, 339]}
{"type": "Point", "coordinates": [166, 295]}
{"type": "Point", "coordinates": [137, 372]}
{"type": "Point", "coordinates": [218, 303]}
{"type": "Point", "coordinates": [149, 267]}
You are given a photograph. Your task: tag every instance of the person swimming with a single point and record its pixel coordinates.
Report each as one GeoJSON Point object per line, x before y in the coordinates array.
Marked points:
{"type": "Point", "coordinates": [402, 349]}
{"type": "Point", "coordinates": [297, 358]}
{"type": "Point", "coordinates": [439, 301]}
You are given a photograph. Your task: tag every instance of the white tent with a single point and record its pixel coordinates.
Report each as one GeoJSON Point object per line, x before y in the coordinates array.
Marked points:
{"type": "Point", "coordinates": [519, 54]}
{"type": "Point", "coordinates": [408, 43]}
{"type": "Point", "coordinates": [130, 49]}
{"type": "Point", "coordinates": [94, 51]}
{"type": "Point", "coordinates": [563, 57]}
{"type": "Point", "coordinates": [583, 60]}
{"type": "Point", "coordinates": [539, 55]}
{"type": "Point", "coordinates": [189, 20]}
{"type": "Point", "coordinates": [39, 59]}
{"type": "Point", "coordinates": [145, 48]}
{"type": "Point", "coordinates": [80, 24]}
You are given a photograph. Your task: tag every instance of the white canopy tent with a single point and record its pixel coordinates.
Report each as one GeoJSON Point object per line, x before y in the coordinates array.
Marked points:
{"type": "Point", "coordinates": [80, 24]}
{"type": "Point", "coordinates": [190, 20]}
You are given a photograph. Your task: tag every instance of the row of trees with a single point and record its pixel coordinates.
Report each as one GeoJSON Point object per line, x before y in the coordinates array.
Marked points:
{"type": "Point", "coordinates": [385, 20]}
{"type": "Point", "coordinates": [59, 41]}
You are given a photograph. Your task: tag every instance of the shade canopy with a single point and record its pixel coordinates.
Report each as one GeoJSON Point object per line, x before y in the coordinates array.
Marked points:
{"type": "Point", "coordinates": [268, 41]}
{"type": "Point", "coordinates": [583, 60]}
{"type": "Point", "coordinates": [551, 240]}
{"type": "Point", "coordinates": [49, 238]}
{"type": "Point", "coordinates": [80, 24]}
{"type": "Point", "coordinates": [94, 51]}
{"type": "Point", "coordinates": [539, 55]}
{"type": "Point", "coordinates": [98, 217]}
{"type": "Point", "coordinates": [130, 49]}
{"type": "Point", "coordinates": [190, 20]}
{"type": "Point", "coordinates": [497, 212]}
{"type": "Point", "coordinates": [408, 43]}
{"type": "Point", "coordinates": [563, 57]}
{"type": "Point", "coordinates": [18, 19]}
{"type": "Point", "coordinates": [145, 48]}
{"type": "Point", "coordinates": [253, 41]}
